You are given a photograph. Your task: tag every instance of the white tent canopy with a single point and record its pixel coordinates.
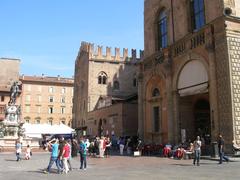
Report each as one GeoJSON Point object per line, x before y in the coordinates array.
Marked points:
{"type": "Point", "coordinates": [36, 130]}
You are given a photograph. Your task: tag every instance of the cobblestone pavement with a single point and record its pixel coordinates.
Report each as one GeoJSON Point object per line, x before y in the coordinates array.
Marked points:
{"type": "Point", "coordinates": [119, 168]}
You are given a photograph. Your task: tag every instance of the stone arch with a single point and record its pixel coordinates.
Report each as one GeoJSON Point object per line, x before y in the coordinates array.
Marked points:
{"type": "Point", "coordinates": [156, 17]}
{"type": "Point", "coordinates": [102, 77]}
{"type": "Point", "coordinates": [155, 120]}
{"type": "Point", "coordinates": [27, 119]}
{"type": "Point", "coordinates": [192, 79]}
{"type": "Point", "coordinates": [63, 120]}
{"type": "Point", "coordinates": [184, 61]}
{"type": "Point", "coordinates": [155, 81]}
{"type": "Point", "coordinates": [158, 12]}
{"type": "Point", "coordinates": [38, 120]}
{"type": "Point", "coordinates": [189, 69]}
{"type": "Point", "coordinates": [160, 73]}
{"type": "Point", "coordinates": [155, 92]}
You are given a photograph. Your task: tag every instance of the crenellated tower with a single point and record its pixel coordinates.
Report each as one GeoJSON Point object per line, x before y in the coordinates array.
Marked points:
{"type": "Point", "coordinates": [101, 72]}
{"type": "Point", "coordinates": [96, 52]}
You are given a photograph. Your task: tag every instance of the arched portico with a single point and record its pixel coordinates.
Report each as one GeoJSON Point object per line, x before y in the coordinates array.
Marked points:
{"type": "Point", "coordinates": [191, 84]}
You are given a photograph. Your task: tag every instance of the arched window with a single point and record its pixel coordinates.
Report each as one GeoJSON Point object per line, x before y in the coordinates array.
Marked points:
{"type": "Point", "coordinates": [99, 79]}
{"type": "Point", "coordinates": [116, 85]}
{"type": "Point", "coordinates": [102, 78]}
{"type": "Point", "coordinates": [197, 14]}
{"type": "Point", "coordinates": [162, 30]}
{"type": "Point", "coordinates": [155, 93]}
{"type": "Point", "coordinates": [27, 119]}
{"type": "Point", "coordinates": [63, 121]}
{"type": "Point", "coordinates": [38, 120]}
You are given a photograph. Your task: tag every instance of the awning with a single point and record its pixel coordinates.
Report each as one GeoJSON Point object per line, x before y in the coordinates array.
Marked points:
{"type": "Point", "coordinates": [36, 130]}
{"type": "Point", "coordinates": [193, 79]}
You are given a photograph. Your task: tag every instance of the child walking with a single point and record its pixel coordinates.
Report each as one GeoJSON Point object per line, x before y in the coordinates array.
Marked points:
{"type": "Point", "coordinates": [28, 153]}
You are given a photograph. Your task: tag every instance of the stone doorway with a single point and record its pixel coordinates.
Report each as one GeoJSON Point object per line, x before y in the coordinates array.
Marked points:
{"type": "Point", "coordinates": [194, 117]}
{"type": "Point", "coordinates": [202, 120]}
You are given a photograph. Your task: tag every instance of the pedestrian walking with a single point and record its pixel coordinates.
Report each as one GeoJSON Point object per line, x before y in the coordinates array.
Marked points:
{"type": "Point", "coordinates": [83, 155]}
{"type": "Point", "coordinates": [121, 145]}
{"type": "Point", "coordinates": [197, 150]}
{"type": "Point", "coordinates": [221, 150]}
{"type": "Point", "coordinates": [101, 147]}
{"type": "Point", "coordinates": [60, 148]}
{"type": "Point", "coordinates": [18, 150]}
{"type": "Point", "coordinates": [28, 153]}
{"type": "Point", "coordinates": [53, 147]}
{"type": "Point", "coordinates": [65, 156]}
{"type": "Point", "coordinates": [70, 155]}
{"type": "Point", "coordinates": [108, 147]}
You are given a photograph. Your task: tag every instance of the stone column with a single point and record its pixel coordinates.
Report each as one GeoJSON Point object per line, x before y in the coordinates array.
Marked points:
{"type": "Point", "coordinates": [170, 109]}
{"type": "Point", "coordinates": [140, 107]}
{"type": "Point", "coordinates": [176, 130]}
{"type": "Point", "coordinates": [213, 100]}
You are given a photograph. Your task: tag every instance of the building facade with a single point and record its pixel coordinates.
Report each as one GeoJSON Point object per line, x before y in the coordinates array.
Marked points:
{"type": "Point", "coordinates": [114, 116]}
{"type": "Point", "coordinates": [189, 81]}
{"type": "Point", "coordinates": [98, 74]}
{"type": "Point", "coordinates": [47, 99]}
{"type": "Point", "coordinates": [8, 75]}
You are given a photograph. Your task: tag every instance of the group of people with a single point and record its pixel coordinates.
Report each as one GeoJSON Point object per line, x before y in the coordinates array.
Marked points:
{"type": "Point", "coordinates": [99, 147]}
{"type": "Point", "coordinates": [60, 155]}
{"type": "Point", "coordinates": [61, 150]}
{"type": "Point", "coordinates": [197, 150]}
{"type": "Point", "coordinates": [18, 147]}
{"type": "Point", "coordinates": [130, 144]}
{"type": "Point", "coordinates": [194, 149]}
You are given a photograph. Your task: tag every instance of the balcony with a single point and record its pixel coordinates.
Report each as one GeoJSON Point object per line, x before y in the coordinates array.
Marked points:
{"type": "Point", "coordinates": [202, 38]}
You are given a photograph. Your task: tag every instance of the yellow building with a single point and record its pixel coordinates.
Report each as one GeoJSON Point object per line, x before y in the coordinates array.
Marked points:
{"type": "Point", "coordinates": [47, 99]}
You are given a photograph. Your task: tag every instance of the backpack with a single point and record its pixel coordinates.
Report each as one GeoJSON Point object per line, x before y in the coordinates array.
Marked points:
{"type": "Point", "coordinates": [81, 148]}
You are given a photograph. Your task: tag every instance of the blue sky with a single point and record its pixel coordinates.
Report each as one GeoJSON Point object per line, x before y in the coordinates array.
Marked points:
{"type": "Point", "coordinates": [46, 34]}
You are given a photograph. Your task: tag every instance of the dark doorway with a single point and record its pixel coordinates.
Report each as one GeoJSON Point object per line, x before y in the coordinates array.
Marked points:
{"type": "Point", "coordinates": [202, 121]}
{"type": "Point", "coordinates": [156, 118]}
{"type": "Point", "coordinates": [100, 128]}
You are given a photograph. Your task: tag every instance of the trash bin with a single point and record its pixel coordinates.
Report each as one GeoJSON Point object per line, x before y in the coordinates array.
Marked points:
{"type": "Point", "coordinates": [214, 149]}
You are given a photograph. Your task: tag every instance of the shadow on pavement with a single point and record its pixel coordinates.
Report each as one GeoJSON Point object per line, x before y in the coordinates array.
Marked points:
{"type": "Point", "coordinates": [10, 160]}
{"type": "Point", "coordinates": [40, 171]}
{"type": "Point", "coordinates": [182, 164]}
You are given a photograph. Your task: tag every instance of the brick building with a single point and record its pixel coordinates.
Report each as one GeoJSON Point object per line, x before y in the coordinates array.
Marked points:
{"type": "Point", "coordinates": [98, 75]}
{"type": "Point", "coordinates": [114, 116]}
{"type": "Point", "coordinates": [46, 99]}
{"type": "Point", "coordinates": [189, 81]}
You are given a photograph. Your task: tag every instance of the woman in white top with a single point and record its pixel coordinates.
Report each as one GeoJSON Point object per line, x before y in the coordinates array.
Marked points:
{"type": "Point", "coordinates": [28, 153]}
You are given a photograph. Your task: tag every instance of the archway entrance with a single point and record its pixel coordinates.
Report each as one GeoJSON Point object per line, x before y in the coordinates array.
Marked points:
{"type": "Point", "coordinates": [193, 102]}
{"type": "Point", "coordinates": [202, 120]}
